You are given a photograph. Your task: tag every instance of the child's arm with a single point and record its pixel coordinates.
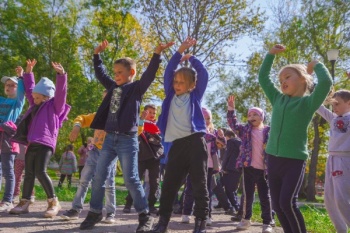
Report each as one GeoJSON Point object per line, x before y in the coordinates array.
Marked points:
{"type": "Point", "coordinates": [29, 81]}
{"type": "Point", "coordinates": [232, 118]}
{"type": "Point", "coordinates": [325, 113]}
{"type": "Point", "coordinates": [150, 73]}
{"type": "Point", "coordinates": [20, 87]}
{"type": "Point", "coordinates": [81, 121]}
{"type": "Point", "coordinates": [323, 86]}
{"type": "Point", "coordinates": [202, 75]}
{"type": "Point", "coordinates": [100, 71]}
{"type": "Point", "coordinates": [174, 62]}
{"type": "Point", "coordinates": [61, 88]}
{"type": "Point", "coordinates": [267, 85]}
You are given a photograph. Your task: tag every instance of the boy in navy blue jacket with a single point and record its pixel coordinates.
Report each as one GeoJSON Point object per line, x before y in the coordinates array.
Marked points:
{"type": "Point", "coordinates": [118, 116]}
{"type": "Point", "coordinates": [182, 123]}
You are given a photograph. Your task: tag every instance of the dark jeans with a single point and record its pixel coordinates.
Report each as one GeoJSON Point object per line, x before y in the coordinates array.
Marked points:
{"type": "Point", "coordinates": [285, 179]}
{"type": "Point", "coordinates": [188, 197]}
{"type": "Point", "coordinates": [80, 168]}
{"type": "Point", "coordinates": [252, 176]}
{"type": "Point", "coordinates": [220, 194]}
{"type": "Point", "coordinates": [152, 165]}
{"type": "Point", "coordinates": [69, 179]}
{"type": "Point", "coordinates": [230, 182]}
{"type": "Point", "coordinates": [36, 160]}
{"type": "Point", "coordinates": [187, 155]}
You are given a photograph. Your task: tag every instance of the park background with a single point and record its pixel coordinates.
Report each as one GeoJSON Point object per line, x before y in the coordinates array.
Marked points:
{"type": "Point", "coordinates": [233, 38]}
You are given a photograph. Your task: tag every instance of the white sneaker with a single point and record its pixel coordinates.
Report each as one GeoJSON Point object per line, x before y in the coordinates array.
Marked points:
{"type": "Point", "coordinates": [267, 228]}
{"type": "Point", "coordinates": [53, 208]}
{"type": "Point", "coordinates": [244, 224]}
{"type": "Point", "coordinates": [209, 221]}
{"type": "Point", "coordinates": [15, 199]}
{"type": "Point", "coordinates": [109, 218]}
{"type": "Point", "coordinates": [185, 218]}
{"type": "Point", "coordinates": [32, 199]}
{"type": "Point", "coordinates": [21, 208]}
{"type": "Point", "coordinates": [5, 206]}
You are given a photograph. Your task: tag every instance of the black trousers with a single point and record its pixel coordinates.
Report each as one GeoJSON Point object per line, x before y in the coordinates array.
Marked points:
{"type": "Point", "coordinates": [187, 155]}
{"type": "Point", "coordinates": [36, 160]}
{"type": "Point", "coordinates": [230, 181]}
{"type": "Point", "coordinates": [152, 165]}
{"type": "Point", "coordinates": [69, 179]}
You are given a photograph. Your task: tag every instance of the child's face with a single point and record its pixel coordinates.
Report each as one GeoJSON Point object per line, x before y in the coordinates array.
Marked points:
{"type": "Point", "coordinates": [151, 116]}
{"type": "Point", "coordinates": [339, 106]}
{"type": "Point", "coordinates": [254, 119]}
{"type": "Point", "coordinates": [207, 120]}
{"type": "Point", "coordinates": [291, 83]}
{"type": "Point", "coordinates": [122, 74]}
{"type": "Point", "coordinates": [10, 89]}
{"type": "Point", "coordinates": [182, 85]}
{"type": "Point", "coordinates": [39, 98]}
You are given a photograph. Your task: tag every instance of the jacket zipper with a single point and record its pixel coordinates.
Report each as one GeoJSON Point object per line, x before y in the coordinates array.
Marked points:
{"type": "Point", "coordinates": [278, 139]}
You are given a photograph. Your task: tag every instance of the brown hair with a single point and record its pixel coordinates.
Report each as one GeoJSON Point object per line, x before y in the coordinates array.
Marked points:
{"type": "Point", "coordinates": [150, 106]}
{"type": "Point", "coordinates": [187, 73]}
{"type": "Point", "coordinates": [343, 94]}
{"type": "Point", "coordinates": [302, 72]}
{"type": "Point", "coordinates": [229, 133]}
{"type": "Point", "coordinates": [127, 62]}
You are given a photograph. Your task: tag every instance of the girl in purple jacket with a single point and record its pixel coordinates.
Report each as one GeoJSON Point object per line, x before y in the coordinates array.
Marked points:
{"type": "Point", "coordinates": [39, 130]}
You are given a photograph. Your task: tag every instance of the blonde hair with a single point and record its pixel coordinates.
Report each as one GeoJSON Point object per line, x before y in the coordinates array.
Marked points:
{"type": "Point", "coordinates": [187, 73]}
{"type": "Point", "coordinates": [302, 72]}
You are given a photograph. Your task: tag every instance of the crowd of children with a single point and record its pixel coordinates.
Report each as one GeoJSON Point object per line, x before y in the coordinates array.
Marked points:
{"type": "Point", "coordinates": [273, 158]}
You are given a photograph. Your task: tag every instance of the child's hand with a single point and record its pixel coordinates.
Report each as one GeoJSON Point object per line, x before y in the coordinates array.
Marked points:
{"type": "Point", "coordinates": [188, 43]}
{"type": "Point", "coordinates": [162, 47]}
{"type": "Point", "coordinates": [310, 66]}
{"type": "Point", "coordinates": [348, 74]}
{"type": "Point", "coordinates": [58, 67]}
{"type": "Point", "coordinates": [74, 134]}
{"type": "Point", "coordinates": [30, 65]}
{"type": "Point", "coordinates": [231, 102]}
{"type": "Point", "coordinates": [19, 71]}
{"type": "Point", "coordinates": [101, 47]}
{"type": "Point", "coordinates": [278, 48]}
{"type": "Point", "coordinates": [144, 115]}
{"type": "Point", "coordinates": [185, 57]}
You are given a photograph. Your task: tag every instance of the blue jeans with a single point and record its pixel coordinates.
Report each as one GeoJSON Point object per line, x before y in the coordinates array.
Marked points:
{"type": "Point", "coordinates": [87, 175]}
{"type": "Point", "coordinates": [7, 165]}
{"type": "Point", "coordinates": [124, 146]}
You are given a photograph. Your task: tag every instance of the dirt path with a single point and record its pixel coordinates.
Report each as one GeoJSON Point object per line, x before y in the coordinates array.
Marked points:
{"type": "Point", "coordinates": [125, 223]}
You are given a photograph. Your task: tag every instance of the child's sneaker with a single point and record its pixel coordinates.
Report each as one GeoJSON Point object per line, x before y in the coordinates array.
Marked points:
{"type": "Point", "coordinates": [5, 206]}
{"type": "Point", "coordinates": [109, 218]}
{"type": "Point", "coordinates": [266, 228]}
{"type": "Point", "coordinates": [53, 207]}
{"type": "Point", "coordinates": [15, 199]}
{"type": "Point", "coordinates": [70, 214]}
{"type": "Point", "coordinates": [209, 221]}
{"type": "Point", "coordinates": [127, 209]}
{"type": "Point", "coordinates": [21, 208]}
{"type": "Point", "coordinates": [185, 218]}
{"type": "Point", "coordinates": [32, 199]}
{"type": "Point", "coordinates": [244, 224]}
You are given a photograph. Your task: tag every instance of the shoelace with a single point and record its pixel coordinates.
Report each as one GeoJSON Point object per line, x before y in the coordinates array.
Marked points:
{"type": "Point", "coordinates": [50, 207]}
{"type": "Point", "coordinates": [22, 203]}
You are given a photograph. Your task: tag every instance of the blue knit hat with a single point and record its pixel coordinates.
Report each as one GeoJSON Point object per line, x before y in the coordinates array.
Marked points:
{"type": "Point", "coordinates": [45, 87]}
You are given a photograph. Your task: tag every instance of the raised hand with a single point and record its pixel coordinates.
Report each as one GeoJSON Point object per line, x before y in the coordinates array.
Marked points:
{"type": "Point", "coordinates": [231, 102]}
{"type": "Point", "coordinates": [30, 65]}
{"type": "Point", "coordinates": [58, 67]}
{"type": "Point", "coordinates": [185, 57]}
{"type": "Point", "coordinates": [74, 134]}
{"type": "Point", "coordinates": [188, 43]}
{"type": "Point", "coordinates": [144, 114]}
{"type": "Point", "coordinates": [348, 74]}
{"type": "Point", "coordinates": [101, 47]}
{"type": "Point", "coordinates": [310, 66]}
{"type": "Point", "coordinates": [19, 71]}
{"type": "Point", "coordinates": [162, 47]}
{"type": "Point", "coordinates": [278, 48]}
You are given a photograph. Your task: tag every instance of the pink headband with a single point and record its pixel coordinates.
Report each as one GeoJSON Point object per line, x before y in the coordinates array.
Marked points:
{"type": "Point", "coordinates": [258, 111]}
{"type": "Point", "coordinates": [206, 113]}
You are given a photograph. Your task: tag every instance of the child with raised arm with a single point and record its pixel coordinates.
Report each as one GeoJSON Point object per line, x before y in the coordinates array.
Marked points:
{"type": "Point", "coordinates": [182, 123]}
{"type": "Point", "coordinates": [10, 108]}
{"type": "Point", "coordinates": [252, 161]}
{"type": "Point", "coordinates": [39, 130]}
{"type": "Point", "coordinates": [337, 180]}
{"type": "Point", "coordinates": [118, 116]}
{"type": "Point", "coordinates": [292, 109]}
